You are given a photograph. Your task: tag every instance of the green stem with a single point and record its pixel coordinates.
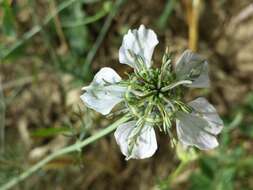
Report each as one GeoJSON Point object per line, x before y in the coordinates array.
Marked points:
{"type": "Point", "coordinates": [72, 148]}
{"type": "Point", "coordinates": [87, 20]}
{"type": "Point", "coordinates": [166, 13]}
{"type": "Point", "coordinates": [102, 34]}
{"type": "Point", "coordinates": [178, 170]}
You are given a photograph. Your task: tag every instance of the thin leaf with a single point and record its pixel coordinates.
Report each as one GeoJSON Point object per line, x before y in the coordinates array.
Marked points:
{"type": "Point", "coordinates": [51, 131]}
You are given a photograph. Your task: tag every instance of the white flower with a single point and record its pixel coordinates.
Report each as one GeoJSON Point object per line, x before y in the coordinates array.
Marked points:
{"type": "Point", "coordinates": [191, 66]}
{"type": "Point", "coordinates": [152, 97]}
{"type": "Point", "coordinates": [145, 145]}
{"type": "Point", "coordinates": [103, 93]}
{"type": "Point", "coordinates": [201, 126]}
{"type": "Point", "coordinates": [140, 42]}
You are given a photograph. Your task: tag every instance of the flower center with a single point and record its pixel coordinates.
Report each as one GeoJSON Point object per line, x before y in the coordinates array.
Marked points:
{"type": "Point", "coordinates": [149, 99]}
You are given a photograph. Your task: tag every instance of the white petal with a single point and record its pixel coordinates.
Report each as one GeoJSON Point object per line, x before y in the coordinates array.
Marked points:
{"type": "Point", "coordinates": [103, 94]}
{"type": "Point", "coordinates": [200, 127]}
{"type": "Point", "coordinates": [191, 66]}
{"type": "Point", "coordinates": [106, 74]}
{"type": "Point", "coordinates": [191, 131]}
{"type": "Point", "coordinates": [141, 42]}
{"type": "Point", "coordinates": [206, 111]}
{"type": "Point", "coordinates": [145, 145]}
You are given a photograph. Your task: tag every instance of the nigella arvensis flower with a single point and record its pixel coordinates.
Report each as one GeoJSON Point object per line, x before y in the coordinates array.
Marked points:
{"type": "Point", "coordinates": [153, 97]}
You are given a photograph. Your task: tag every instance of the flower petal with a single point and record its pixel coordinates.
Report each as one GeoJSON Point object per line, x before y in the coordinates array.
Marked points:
{"type": "Point", "coordinates": [206, 111]}
{"type": "Point", "coordinates": [200, 127]}
{"type": "Point", "coordinates": [141, 42]}
{"type": "Point", "coordinates": [103, 94]}
{"type": "Point", "coordinates": [191, 66]}
{"type": "Point", "coordinates": [191, 131]}
{"type": "Point", "coordinates": [145, 145]}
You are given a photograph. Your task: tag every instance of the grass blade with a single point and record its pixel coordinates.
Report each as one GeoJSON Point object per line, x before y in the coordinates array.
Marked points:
{"type": "Point", "coordinates": [34, 30]}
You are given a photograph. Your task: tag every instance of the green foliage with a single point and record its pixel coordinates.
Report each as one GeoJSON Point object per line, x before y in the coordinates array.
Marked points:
{"type": "Point", "coordinates": [216, 172]}
{"type": "Point", "coordinates": [8, 23]}
{"type": "Point", "coordinates": [10, 162]}
{"type": "Point", "coordinates": [163, 19]}
{"type": "Point", "coordinates": [50, 131]}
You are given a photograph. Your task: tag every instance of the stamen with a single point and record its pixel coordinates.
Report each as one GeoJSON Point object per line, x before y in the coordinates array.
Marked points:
{"type": "Point", "coordinates": [119, 112]}
{"type": "Point", "coordinates": [166, 88]}
{"type": "Point", "coordinates": [184, 107]}
{"type": "Point", "coordinates": [166, 61]}
{"type": "Point", "coordinates": [138, 61]}
{"type": "Point", "coordinates": [168, 102]}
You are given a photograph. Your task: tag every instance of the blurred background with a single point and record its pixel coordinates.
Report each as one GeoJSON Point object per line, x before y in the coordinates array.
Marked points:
{"type": "Point", "coordinates": [49, 49]}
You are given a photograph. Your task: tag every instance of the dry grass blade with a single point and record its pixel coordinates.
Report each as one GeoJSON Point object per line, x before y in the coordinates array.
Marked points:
{"type": "Point", "coordinates": [192, 13]}
{"type": "Point", "coordinates": [243, 15]}
{"type": "Point", "coordinates": [58, 26]}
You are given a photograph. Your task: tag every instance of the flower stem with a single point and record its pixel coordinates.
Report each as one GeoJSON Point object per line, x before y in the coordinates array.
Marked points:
{"type": "Point", "coordinates": [178, 170]}
{"type": "Point", "coordinates": [72, 148]}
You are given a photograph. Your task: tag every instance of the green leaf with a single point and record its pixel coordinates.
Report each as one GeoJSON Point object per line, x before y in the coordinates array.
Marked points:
{"type": "Point", "coordinates": [89, 19]}
{"type": "Point", "coordinates": [208, 166]}
{"type": "Point", "coordinates": [51, 131]}
{"type": "Point", "coordinates": [8, 26]}
{"type": "Point", "coordinates": [200, 182]}
{"type": "Point", "coordinates": [225, 179]}
{"type": "Point", "coordinates": [78, 37]}
{"type": "Point", "coordinates": [166, 13]}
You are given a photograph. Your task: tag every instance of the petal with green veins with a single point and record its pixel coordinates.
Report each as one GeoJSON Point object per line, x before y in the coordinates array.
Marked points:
{"type": "Point", "coordinates": [199, 127]}
{"type": "Point", "coordinates": [104, 92]}
{"type": "Point", "coordinates": [191, 66]}
{"type": "Point", "coordinates": [145, 144]}
{"type": "Point", "coordinates": [206, 110]}
{"type": "Point", "coordinates": [190, 131]}
{"type": "Point", "coordinates": [140, 42]}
